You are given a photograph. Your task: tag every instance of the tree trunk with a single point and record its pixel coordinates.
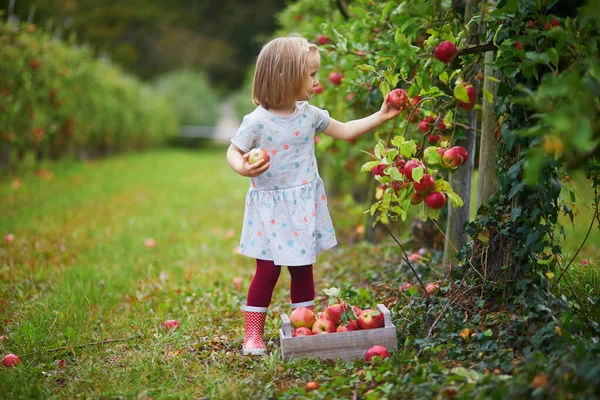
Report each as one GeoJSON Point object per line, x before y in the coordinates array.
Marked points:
{"type": "Point", "coordinates": [461, 180]}
{"type": "Point", "coordinates": [487, 181]}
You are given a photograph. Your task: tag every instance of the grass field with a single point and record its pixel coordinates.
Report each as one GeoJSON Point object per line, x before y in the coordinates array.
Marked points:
{"type": "Point", "coordinates": [83, 296]}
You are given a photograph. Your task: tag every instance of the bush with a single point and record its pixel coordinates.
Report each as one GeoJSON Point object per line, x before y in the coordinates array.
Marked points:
{"type": "Point", "coordinates": [189, 92]}
{"type": "Point", "coordinates": [56, 99]}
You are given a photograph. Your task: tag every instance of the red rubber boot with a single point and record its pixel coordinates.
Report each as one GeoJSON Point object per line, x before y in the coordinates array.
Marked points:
{"type": "Point", "coordinates": [254, 328]}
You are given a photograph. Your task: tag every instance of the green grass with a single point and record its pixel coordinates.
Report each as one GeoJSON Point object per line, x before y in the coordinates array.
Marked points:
{"type": "Point", "coordinates": [79, 275]}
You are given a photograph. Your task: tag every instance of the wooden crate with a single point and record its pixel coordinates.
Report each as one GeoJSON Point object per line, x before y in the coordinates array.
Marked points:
{"type": "Point", "coordinates": [344, 345]}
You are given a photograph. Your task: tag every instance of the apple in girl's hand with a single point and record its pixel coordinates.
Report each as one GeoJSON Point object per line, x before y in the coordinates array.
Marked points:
{"type": "Point", "coordinates": [435, 200]}
{"type": "Point", "coordinates": [333, 312]}
{"type": "Point", "coordinates": [11, 360]}
{"type": "Point", "coordinates": [398, 99]}
{"type": "Point", "coordinates": [445, 52]}
{"type": "Point", "coordinates": [376, 351]}
{"type": "Point", "coordinates": [336, 78]}
{"type": "Point", "coordinates": [323, 325]}
{"type": "Point", "coordinates": [301, 331]}
{"type": "Point", "coordinates": [370, 319]}
{"type": "Point", "coordinates": [258, 154]}
{"type": "Point", "coordinates": [302, 316]}
{"type": "Point", "coordinates": [171, 324]}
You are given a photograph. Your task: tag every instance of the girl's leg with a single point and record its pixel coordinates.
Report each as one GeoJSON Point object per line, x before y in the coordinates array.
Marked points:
{"type": "Point", "coordinates": [255, 310]}
{"type": "Point", "coordinates": [302, 288]}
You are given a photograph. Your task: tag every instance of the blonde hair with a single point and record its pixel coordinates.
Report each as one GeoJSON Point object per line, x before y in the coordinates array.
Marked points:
{"type": "Point", "coordinates": [281, 73]}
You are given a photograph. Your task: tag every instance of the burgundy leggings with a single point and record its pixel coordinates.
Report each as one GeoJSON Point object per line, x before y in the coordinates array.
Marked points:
{"type": "Point", "coordinates": [302, 287]}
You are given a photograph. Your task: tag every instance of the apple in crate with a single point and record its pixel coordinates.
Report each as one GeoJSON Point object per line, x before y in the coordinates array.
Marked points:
{"type": "Point", "coordinates": [302, 316]}
{"type": "Point", "coordinates": [334, 312]}
{"type": "Point", "coordinates": [258, 154]}
{"type": "Point", "coordinates": [301, 331]}
{"type": "Point", "coordinates": [323, 325]}
{"type": "Point", "coordinates": [376, 351]}
{"type": "Point", "coordinates": [370, 319]}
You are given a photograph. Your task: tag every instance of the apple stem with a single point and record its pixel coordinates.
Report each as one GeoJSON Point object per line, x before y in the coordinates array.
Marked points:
{"type": "Point", "coordinates": [406, 258]}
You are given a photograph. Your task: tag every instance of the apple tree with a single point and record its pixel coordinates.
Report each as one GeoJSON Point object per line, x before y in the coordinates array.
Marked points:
{"type": "Point", "coordinates": [511, 86]}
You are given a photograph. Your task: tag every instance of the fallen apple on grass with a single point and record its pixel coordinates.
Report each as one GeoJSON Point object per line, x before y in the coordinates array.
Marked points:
{"type": "Point", "coordinates": [311, 386]}
{"type": "Point", "coordinates": [432, 287]}
{"type": "Point", "coordinates": [258, 154]}
{"type": "Point", "coordinates": [302, 317]}
{"type": "Point", "coordinates": [11, 360]}
{"type": "Point", "coordinates": [171, 324]}
{"type": "Point", "coordinates": [376, 351]}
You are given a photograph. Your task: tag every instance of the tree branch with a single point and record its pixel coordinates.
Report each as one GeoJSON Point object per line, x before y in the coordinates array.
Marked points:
{"type": "Point", "coordinates": [343, 8]}
{"type": "Point", "coordinates": [476, 49]}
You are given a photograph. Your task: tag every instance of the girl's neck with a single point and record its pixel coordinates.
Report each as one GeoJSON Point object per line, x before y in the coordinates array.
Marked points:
{"type": "Point", "coordinates": [283, 110]}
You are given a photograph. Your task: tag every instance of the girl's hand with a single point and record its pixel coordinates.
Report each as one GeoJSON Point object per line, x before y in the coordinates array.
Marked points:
{"type": "Point", "coordinates": [253, 170]}
{"type": "Point", "coordinates": [388, 112]}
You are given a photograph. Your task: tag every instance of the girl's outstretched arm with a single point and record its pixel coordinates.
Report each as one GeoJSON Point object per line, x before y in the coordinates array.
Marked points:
{"type": "Point", "coordinates": [353, 129]}
{"type": "Point", "coordinates": [239, 162]}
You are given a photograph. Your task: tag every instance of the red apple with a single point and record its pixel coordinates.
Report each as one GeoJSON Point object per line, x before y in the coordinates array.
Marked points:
{"type": "Point", "coordinates": [530, 23]}
{"type": "Point", "coordinates": [336, 78]}
{"type": "Point", "coordinates": [171, 324]}
{"type": "Point", "coordinates": [302, 316]}
{"type": "Point", "coordinates": [398, 99]}
{"type": "Point", "coordinates": [414, 101]}
{"type": "Point", "coordinates": [301, 331]}
{"type": "Point", "coordinates": [424, 126]}
{"type": "Point", "coordinates": [370, 319]}
{"type": "Point", "coordinates": [11, 360]}
{"type": "Point", "coordinates": [258, 154]}
{"type": "Point", "coordinates": [323, 325]}
{"type": "Point", "coordinates": [518, 45]}
{"type": "Point", "coordinates": [9, 238]}
{"type": "Point", "coordinates": [432, 287]}
{"type": "Point", "coordinates": [322, 39]}
{"type": "Point", "coordinates": [415, 199]}
{"type": "Point", "coordinates": [405, 286]}
{"type": "Point", "coordinates": [357, 311]}
{"type": "Point", "coordinates": [376, 351]}
{"type": "Point", "coordinates": [442, 126]}
{"type": "Point", "coordinates": [472, 93]}
{"type": "Point", "coordinates": [410, 165]}
{"type": "Point", "coordinates": [378, 170]}
{"type": "Point", "coordinates": [415, 257]}
{"type": "Point", "coordinates": [333, 312]}
{"type": "Point", "coordinates": [435, 200]}
{"type": "Point", "coordinates": [555, 22]}
{"type": "Point", "coordinates": [318, 89]}
{"type": "Point", "coordinates": [311, 386]}
{"type": "Point", "coordinates": [445, 52]}
{"type": "Point", "coordinates": [454, 157]}
{"type": "Point", "coordinates": [433, 139]}
{"type": "Point", "coordinates": [342, 328]}
{"type": "Point", "coordinates": [585, 262]}
{"type": "Point", "coordinates": [425, 185]}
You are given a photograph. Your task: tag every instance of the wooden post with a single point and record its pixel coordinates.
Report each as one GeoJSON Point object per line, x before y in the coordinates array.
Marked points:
{"type": "Point", "coordinates": [461, 180]}
{"type": "Point", "coordinates": [487, 181]}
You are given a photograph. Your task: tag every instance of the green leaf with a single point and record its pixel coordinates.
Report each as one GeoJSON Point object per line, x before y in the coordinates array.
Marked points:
{"type": "Point", "coordinates": [431, 156]}
{"type": "Point", "coordinates": [379, 150]}
{"type": "Point", "coordinates": [488, 96]}
{"type": "Point", "coordinates": [385, 88]}
{"type": "Point", "coordinates": [366, 67]}
{"type": "Point", "coordinates": [368, 166]}
{"type": "Point", "coordinates": [444, 77]}
{"type": "Point", "coordinates": [460, 92]}
{"type": "Point", "coordinates": [448, 118]}
{"type": "Point", "coordinates": [552, 54]}
{"type": "Point", "coordinates": [493, 79]}
{"type": "Point", "coordinates": [408, 149]}
{"type": "Point", "coordinates": [455, 199]}
{"type": "Point", "coordinates": [417, 173]}
{"type": "Point", "coordinates": [395, 174]}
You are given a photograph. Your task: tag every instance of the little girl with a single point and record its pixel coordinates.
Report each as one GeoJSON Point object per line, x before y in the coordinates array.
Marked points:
{"type": "Point", "coordinates": [286, 221]}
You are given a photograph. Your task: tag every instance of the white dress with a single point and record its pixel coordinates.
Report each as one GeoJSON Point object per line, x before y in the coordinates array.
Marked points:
{"type": "Point", "coordinates": [286, 219]}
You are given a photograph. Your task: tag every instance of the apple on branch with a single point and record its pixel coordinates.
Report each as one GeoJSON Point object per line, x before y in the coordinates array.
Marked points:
{"type": "Point", "coordinates": [258, 154]}
{"type": "Point", "coordinates": [435, 200]}
{"type": "Point", "coordinates": [445, 52]}
{"type": "Point", "coordinates": [336, 78]}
